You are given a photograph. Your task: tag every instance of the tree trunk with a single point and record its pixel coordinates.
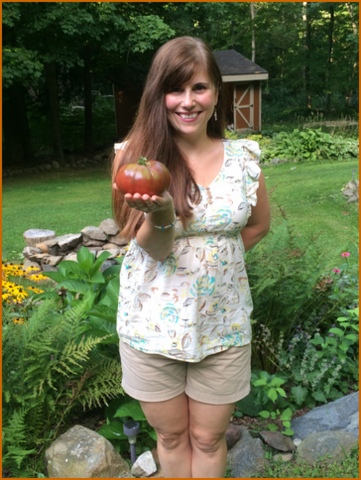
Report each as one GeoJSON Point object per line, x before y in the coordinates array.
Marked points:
{"type": "Point", "coordinates": [253, 34]}
{"type": "Point", "coordinates": [307, 48]}
{"type": "Point", "coordinates": [88, 107]}
{"type": "Point", "coordinates": [353, 17]}
{"type": "Point", "coordinates": [52, 87]}
{"type": "Point", "coordinates": [17, 148]}
{"type": "Point", "coordinates": [330, 55]}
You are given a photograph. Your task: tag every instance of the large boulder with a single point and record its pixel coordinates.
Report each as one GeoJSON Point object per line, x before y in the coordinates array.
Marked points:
{"type": "Point", "coordinates": [83, 453]}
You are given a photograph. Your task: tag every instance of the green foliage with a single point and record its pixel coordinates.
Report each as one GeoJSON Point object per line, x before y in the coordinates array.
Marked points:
{"type": "Point", "coordinates": [321, 367]}
{"type": "Point", "coordinates": [147, 29]}
{"type": "Point", "coordinates": [117, 413]}
{"type": "Point", "coordinates": [49, 370]}
{"type": "Point", "coordinates": [309, 145]}
{"type": "Point", "coordinates": [305, 327]}
{"type": "Point", "coordinates": [282, 270]}
{"type": "Point", "coordinates": [290, 291]}
{"type": "Point", "coordinates": [311, 370]}
{"type": "Point", "coordinates": [323, 468]}
{"type": "Point", "coordinates": [62, 359]}
{"type": "Point", "coordinates": [21, 65]}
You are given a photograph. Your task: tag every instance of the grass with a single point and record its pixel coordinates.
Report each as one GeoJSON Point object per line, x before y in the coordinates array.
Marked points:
{"type": "Point", "coordinates": [311, 198]}
{"type": "Point", "coordinates": [63, 201]}
{"type": "Point", "coordinates": [68, 200]}
{"type": "Point", "coordinates": [347, 468]}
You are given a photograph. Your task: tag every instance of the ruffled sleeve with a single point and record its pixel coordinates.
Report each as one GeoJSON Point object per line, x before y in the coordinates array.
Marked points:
{"type": "Point", "coordinates": [119, 146]}
{"type": "Point", "coordinates": [252, 170]}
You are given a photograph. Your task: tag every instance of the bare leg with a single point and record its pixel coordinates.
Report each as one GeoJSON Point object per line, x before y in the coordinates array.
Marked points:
{"type": "Point", "coordinates": [170, 421]}
{"type": "Point", "coordinates": [207, 426]}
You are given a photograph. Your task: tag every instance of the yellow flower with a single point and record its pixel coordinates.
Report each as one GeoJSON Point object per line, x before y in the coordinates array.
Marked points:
{"type": "Point", "coordinates": [32, 269]}
{"type": "Point", "coordinates": [19, 320]}
{"type": "Point", "coordinates": [37, 277]}
{"type": "Point", "coordinates": [21, 294]}
{"type": "Point", "coordinates": [35, 290]}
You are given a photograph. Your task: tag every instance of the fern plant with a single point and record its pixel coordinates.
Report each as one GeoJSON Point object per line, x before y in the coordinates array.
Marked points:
{"type": "Point", "coordinates": [51, 367]}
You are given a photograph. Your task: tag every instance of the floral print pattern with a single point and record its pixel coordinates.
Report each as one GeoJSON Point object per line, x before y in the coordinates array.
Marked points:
{"type": "Point", "coordinates": [198, 301]}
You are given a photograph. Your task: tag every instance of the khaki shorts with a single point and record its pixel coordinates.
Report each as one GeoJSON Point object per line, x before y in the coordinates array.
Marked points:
{"type": "Point", "coordinates": [218, 379]}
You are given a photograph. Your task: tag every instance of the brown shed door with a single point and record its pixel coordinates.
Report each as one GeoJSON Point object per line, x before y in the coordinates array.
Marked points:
{"type": "Point", "coordinates": [243, 106]}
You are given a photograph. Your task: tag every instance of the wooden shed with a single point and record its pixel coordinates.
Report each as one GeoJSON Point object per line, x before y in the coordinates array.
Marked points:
{"type": "Point", "coordinates": [242, 81]}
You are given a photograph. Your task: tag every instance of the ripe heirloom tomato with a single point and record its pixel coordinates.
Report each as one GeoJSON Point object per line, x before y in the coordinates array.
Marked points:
{"type": "Point", "coordinates": [144, 177]}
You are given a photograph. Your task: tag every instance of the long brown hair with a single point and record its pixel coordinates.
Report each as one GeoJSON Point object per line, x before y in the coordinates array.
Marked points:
{"type": "Point", "coordinates": [151, 135]}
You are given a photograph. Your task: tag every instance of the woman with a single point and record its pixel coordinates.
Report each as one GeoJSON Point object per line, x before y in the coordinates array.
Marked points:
{"type": "Point", "coordinates": [184, 302]}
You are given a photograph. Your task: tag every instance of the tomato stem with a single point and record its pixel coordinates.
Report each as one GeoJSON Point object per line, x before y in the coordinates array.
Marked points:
{"type": "Point", "coordinates": [142, 161]}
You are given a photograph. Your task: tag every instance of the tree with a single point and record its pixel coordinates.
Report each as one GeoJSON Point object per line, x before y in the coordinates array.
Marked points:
{"type": "Point", "coordinates": [79, 36]}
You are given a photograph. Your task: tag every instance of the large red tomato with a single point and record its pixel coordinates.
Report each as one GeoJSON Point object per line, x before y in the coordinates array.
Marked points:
{"type": "Point", "coordinates": [145, 177]}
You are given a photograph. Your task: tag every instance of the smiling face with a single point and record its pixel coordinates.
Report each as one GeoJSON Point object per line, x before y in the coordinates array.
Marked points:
{"type": "Point", "coordinates": [191, 105]}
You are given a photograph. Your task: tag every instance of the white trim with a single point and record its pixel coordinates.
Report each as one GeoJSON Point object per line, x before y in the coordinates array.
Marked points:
{"type": "Point", "coordinates": [238, 106]}
{"type": "Point", "coordinates": [260, 107]}
{"type": "Point", "coordinates": [244, 78]}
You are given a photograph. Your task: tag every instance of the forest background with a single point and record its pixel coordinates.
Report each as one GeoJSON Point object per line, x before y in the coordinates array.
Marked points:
{"type": "Point", "coordinates": [61, 62]}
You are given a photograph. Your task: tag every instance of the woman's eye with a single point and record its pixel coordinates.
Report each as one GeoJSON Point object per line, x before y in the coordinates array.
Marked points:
{"type": "Point", "coordinates": [200, 87]}
{"type": "Point", "coordinates": [175, 89]}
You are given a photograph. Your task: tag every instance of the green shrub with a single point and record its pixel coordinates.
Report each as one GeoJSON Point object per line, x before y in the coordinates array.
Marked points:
{"type": "Point", "coordinates": [309, 145]}
{"type": "Point", "coordinates": [61, 359]}
{"type": "Point", "coordinates": [290, 291]}
{"type": "Point", "coordinates": [117, 413]}
{"type": "Point", "coordinates": [50, 369]}
{"type": "Point", "coordinates": [321, 367]}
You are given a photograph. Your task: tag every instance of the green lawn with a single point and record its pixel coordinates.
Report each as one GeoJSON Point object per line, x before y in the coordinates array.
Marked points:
{"type": "Point", "coordinates": [67, 201]}
{"type": "Point", "coordinates": [311, 197]}
{"type": "Point", "coordinates": [63, 201]}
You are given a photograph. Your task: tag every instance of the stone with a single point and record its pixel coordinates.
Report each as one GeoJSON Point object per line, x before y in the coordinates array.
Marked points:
{"type": "Point", "coordinates": [247, 457]}
{"type": "Point", "coordinates": [48, 268]}
{"type": "Point", "coordinates": [30, 252]}
{"type": "Point", "coordinates": [90, 242]}
{"type": "Point", "coordinates": [43, 247]}
{"type": "Point", "coordinates": [109, 227]}
{"type": "Point", "coordinates": [38, 257]}
{"type": "Point", "coordinates": [37, 235]}
{"type": "Point", "coordinates": [233, 434]}
{"type": "Point", "coordinates": [28, 263]}
{"type": "Point", "coordinates": [69, 241]}
{"type": "Point", "coordinates": [83, 453]}
{"type": "Point", "coordinates": [117, 240]}
{"type": "Point", "coordinates": [341, 414]}
{"type": "Point", "coordinates": [144, 466]}
{"type": "Point", "coordinates": [278, 441]}
{"type": "Point", "coordinates": [94, 233]}
{"type": "Point", "coordinates": [71, 257]}
{"type": "Point", "coordinates": [114, 252]}
{"type": "Point", "coordinates": [283, 457]}
{"type": "Point", "coordinates": [110, 246]}
{"type": "Point", "coordinates": [330, 446]}
{"type": "Point", "coordinates": [51, 260]}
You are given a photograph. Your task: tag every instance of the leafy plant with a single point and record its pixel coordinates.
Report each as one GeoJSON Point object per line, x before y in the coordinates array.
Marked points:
{"type": "Point", "coordinates": [322, 367]}
{"type": "Point", "coordinates": [50, 369]}
{"type": "Point", "coordinates": [117, 413]}
{"type": "Point", "coordinates": [89, 279]}
{"type": "Point", "coordinates": [20, 288]}
{"type": "Point", "coordinates": [309, 145]}
{"type": "Point", "coordinates": [282, 272]}
{"type": "Point", "coordinates": [62, 358]}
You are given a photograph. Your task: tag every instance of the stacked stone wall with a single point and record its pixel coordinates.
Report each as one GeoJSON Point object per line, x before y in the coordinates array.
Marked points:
{"type": "Point", "coordinates": [45, 250]}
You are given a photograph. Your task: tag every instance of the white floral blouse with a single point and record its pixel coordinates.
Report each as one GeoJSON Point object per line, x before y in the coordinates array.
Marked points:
{"type": "Point", "coordinates": [198, 301]}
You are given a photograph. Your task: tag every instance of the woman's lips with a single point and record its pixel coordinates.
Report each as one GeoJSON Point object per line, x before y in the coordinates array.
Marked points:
{"type": "Point", "coordinates": [188, 117]}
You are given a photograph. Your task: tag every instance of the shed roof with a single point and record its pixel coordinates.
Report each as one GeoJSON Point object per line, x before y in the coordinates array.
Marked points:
{"type": "Point", "coordinates": [236, 67]}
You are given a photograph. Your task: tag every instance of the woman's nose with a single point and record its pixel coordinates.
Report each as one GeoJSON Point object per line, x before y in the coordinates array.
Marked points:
{"type": "Point", "coordinates": [188, 99]}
